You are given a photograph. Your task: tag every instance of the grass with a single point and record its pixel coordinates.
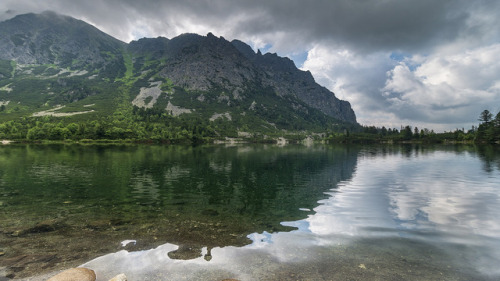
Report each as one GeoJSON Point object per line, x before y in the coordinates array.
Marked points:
{"type": "Point", "coordinates": [127, 57]}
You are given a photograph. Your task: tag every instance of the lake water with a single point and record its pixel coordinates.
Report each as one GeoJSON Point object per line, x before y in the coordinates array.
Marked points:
{"type": "Point", "coordinates": [258, 212]}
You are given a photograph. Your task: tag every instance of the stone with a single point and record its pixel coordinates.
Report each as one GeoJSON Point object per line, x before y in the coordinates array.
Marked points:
{"type": "Point", "coordinates": [46, 226]}
{"type": "Point", "coordinates": [75, 274]}
{"type": "Point", "coordinates": [185, 252]}
{"type": "Point", "coordinates": [119, 277]}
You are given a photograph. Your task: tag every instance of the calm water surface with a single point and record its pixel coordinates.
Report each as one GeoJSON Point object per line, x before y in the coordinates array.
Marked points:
{"type": "Point", "coordinates": [251, 212]}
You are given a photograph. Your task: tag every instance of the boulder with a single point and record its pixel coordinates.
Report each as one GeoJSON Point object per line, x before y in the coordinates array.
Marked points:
{"type": "Point", "coordinates": [75, 274]}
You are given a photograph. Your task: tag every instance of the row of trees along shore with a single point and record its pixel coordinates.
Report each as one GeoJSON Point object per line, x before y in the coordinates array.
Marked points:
{"type": "Point", "coordinates": [178, 129]}
{"type": "Point", "coordinates": [487, 132]}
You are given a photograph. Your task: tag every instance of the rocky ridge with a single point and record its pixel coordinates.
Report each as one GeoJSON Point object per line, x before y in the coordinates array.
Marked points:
{"type": "Point", "coordinates": [199, 62]}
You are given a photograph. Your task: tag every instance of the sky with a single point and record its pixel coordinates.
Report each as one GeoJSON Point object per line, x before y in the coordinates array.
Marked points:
{"type": "Point", "coordinates": [425, 63]}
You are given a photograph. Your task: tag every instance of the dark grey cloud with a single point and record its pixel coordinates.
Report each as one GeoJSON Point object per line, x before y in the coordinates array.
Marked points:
{"type": "Point", "coordinates": [363, 25]}
{"type": "Point", "coordinates": [370, 25]}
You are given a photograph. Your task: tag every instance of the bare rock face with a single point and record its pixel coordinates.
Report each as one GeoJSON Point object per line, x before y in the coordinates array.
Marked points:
{"type": "Point", "coordinates": [75, 274]}
{"type": "Point", "coordinates": [200, 63]}
{"type": "Point", "coordinates": [286, 79]}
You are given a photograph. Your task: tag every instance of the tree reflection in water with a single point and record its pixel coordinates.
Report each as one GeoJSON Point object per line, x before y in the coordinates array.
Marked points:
{"type": "Point", "coordinates": [90, 198]}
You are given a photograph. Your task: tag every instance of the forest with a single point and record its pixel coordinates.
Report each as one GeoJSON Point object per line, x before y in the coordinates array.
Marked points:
{"type": "Point", "coordinates": [487, 132]}
{"type": "Point", "coordinates": [142, 125]}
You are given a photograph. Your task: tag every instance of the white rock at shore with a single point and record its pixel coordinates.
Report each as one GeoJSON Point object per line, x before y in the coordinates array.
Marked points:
{"type": "Point", "coordinates": [119, 277]}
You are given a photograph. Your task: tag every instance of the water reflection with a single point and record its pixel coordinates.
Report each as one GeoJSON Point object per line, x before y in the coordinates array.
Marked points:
{"type": "Point", "coordinates": [440, 197]}
{"type": "Point", "coordinates": [489, 155]}
{"type": "Point", "coordinates": [91, 198]}
{"type": "Point", "coordinates": [420, 213]}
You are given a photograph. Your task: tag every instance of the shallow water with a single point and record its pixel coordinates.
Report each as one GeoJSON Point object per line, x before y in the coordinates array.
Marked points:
{"type": "Point", "coordinates": [251, 212]}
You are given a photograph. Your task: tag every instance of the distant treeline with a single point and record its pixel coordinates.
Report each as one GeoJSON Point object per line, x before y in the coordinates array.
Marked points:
{"type": "Point", "coordinates": [488, 131]}
{"type": "Point", "coordinates": [146, 125]}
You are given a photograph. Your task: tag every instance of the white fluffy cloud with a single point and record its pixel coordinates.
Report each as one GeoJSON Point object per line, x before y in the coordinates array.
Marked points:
{"type": "Point", "coordinates": [446, 89]}
{"type": "Point", "coordinates": [357, 78]}
{"type": "Point", "coordinates": [439, 91]}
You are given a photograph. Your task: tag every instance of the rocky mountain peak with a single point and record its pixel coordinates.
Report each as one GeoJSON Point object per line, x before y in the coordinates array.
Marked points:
{"type": "Point", "coordinates": [50, 38]}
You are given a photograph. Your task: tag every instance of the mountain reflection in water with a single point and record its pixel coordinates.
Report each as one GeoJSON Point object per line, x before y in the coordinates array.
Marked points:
{"type": "Point", "coordinates": [91, 198]}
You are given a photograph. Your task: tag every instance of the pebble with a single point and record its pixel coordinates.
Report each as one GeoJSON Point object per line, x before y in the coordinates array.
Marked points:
{"type": "Point", "coordinates": [75, 274]}
{"type": "Point", "coordinates": [119, 277]}
{"type": "Point", "coordinates": [126, 242]}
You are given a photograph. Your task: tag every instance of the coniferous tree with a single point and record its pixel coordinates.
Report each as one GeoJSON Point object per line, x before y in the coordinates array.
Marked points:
{"type": "Point", "coordinates": [485, 116]}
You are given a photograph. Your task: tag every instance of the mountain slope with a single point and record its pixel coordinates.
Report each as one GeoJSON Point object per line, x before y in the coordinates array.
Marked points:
{"type": "Point", "coordinates": [63, 68]}
{"type": "Point", "coordinates": [49, 38]}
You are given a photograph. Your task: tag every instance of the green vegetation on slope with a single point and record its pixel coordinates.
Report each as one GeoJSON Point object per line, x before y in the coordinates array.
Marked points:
{"type": "Point", "coordinates": [6, 69]}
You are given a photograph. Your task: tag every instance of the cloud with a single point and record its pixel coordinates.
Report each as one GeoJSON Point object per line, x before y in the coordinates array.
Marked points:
{"type": "Point", "coordinates": [358, 25]}
{"type": "Point", "coordinates": [441, 91]}
{"type": "Point", "coordinates": [446, 89]}
{"type": "Point", "coordinates": [354, 77]}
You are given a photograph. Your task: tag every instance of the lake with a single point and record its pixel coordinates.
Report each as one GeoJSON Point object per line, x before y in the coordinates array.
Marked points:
{"type": "Point", "coordinates": [251, 212]}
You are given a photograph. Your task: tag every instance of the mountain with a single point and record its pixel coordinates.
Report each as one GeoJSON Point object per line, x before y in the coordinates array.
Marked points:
{"type": "Point", "coordinates": [57, 66]}
{"type": "Point", "coordinates": [49, 38]}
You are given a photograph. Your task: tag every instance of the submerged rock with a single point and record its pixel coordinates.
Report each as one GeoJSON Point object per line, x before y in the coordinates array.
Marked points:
{"type": "Point", "coordinates": [75, 274]}
{"type": "Point", "coordinates": [46, 226]}
{"type": "Point", "coordinates": [185, 252]}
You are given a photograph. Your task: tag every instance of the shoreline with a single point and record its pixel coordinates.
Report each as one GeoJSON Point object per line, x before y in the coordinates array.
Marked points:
{"type": "Point", "coordinates": [360, 259]}
{"type": "Point", "coordinates": [280, 141]}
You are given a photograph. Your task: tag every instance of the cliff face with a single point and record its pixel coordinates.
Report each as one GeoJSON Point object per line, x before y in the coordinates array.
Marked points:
{"type": "Point", "coordinates": [187, 70]}
{"type": "Point", "coordinates": [198, 63]}
{"type": "Point", "coordinates": [287, 79]}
